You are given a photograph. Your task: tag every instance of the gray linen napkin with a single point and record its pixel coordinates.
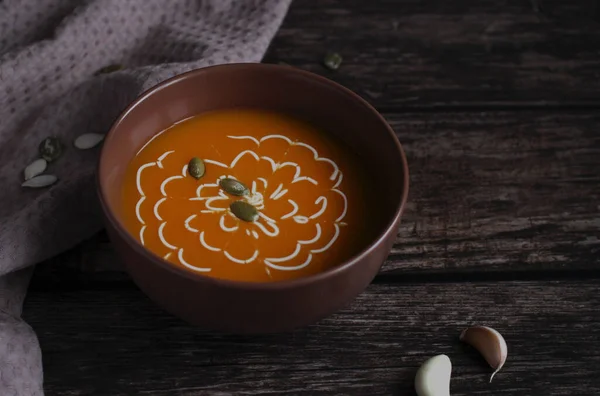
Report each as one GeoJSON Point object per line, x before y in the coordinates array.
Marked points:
{"type": "Point", "coordinates": [49, 53]}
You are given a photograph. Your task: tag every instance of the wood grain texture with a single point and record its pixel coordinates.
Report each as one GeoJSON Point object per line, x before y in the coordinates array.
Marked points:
{"type": "Point", "coordinates": [414, 53]}
{"type": "Point", "coordinates": [500, 191]}
{"type": "Point", "coordinates": [490, 192]}
{"type": "Point", "coordinates": [117, 342]}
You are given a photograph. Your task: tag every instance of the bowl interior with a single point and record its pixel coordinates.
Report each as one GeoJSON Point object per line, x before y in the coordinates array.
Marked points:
{"type": "Point", "coordinates": [319, 101]}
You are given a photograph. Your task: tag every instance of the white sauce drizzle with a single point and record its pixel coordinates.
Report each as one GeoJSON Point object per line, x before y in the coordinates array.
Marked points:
{"type": "Point", "coordinates": [240, 155]}
{"type": "Point", "coordinates": [276, 137]}
{"type": "Point", "coordinates": [339, 180]}
{"type": "Point", "coordinates": [313, 181]}
{"type": "Point", "coordinates": [271, 161]}
{"type": "Point", "coordinates": [281, 194]}
{"type": "Point", "coordinates": [323, 207]}
{"type": "Point", "coordinates": [236, 260]}
{"type": "Point", "coordinates": [166, 257]}
{"type": "Point", "coordinates": [188, 265]}
{"type": "Point", "coordinates": [224, 227]}
{"type": "Point", "coordinates": [167, 180]}
{"type": "Point", "coordinates": [162, 238]}
{"type": "Point", "coordinates": [187, 223]}
{"type": "Point", "coordinates": [315, 239]}
{"type": "Point", "coordinates": [276, 191]}
{"type": "Point", "coordinates": [283, 268]}
{"type": "Point", "coordinates": [209, 202]}
{"type": "Point", "coordinates": [222, 165]}
{"type": "Point", "coordinates": [335, 236]}
{"type": "Point", "coordinates": [206, 245]}
{"type": "Point", "coordinates": [317, 158]}
{"type": "Point", "coordinates": [199, 190]}
{"type": "Point", "coordinates": [255, 140]}
{"type": "Point", "coordinates": [286, 258]}
{"type": "Point", "coordinates": [255, 198]}
{"type": "Point", "coordinates": [142, 234]}
{"type": "Point", "coordinates": [137, 209]}
{"type": "Point", "coordinates": [297, 174]}
{"type": "Point", "coordinates": [139, 176]}
{"type": "Point", "coordinates": [156, 205]}
{"type": "Point", "coordinates": [301, 219]}
{"type": "Point", "coordinates": [162, 157]}
{"type": "Point", "coordinates": [345, 204]}
{"type": "Point", "coordinates": [293, 212]}
{"type": "Point", "coordinates": [263, 180]}
{"type": "Point", "coordinates": [267, 218]}
{"type": "Point", "coordinates": [273, 233]}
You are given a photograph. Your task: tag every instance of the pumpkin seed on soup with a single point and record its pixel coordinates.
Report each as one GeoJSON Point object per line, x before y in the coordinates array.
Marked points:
{"type": "Point", "coordinates": [234, 187]}
{"type": "Point", "coordinates": [244, 211]}
{"type": "Point", "coordinates": [196, 168]}
{"type": "Point", "coordinates": [50, 149]}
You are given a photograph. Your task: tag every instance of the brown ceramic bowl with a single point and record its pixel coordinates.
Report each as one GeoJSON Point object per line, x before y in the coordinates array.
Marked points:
{"type": "Point", "coordinates": [241, 307]}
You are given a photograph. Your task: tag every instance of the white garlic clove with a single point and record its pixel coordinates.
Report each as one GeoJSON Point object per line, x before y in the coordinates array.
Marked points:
{"type": "Point", "coordinates": [40, 181]}
{"type": "Point", "coordinates": [489, 343]}
{"type": "Point", "coordinates": [88, 140]}
{"type": "Point", "coordinates": [37, 167]}
{"type": "Point", "coordinates": [433, 377]}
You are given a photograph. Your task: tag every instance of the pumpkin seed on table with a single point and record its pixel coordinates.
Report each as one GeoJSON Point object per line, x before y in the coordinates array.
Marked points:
{"type": "Point", "coordinates": [40, 181]}
{"type": "Point", "coordinates": [196, 168]}
{"type": "Point", "coordinates": [88, 140]}
{"type": "Point", "coordinates": [233, 187]}
{"type": "Point", "coordinates": [50, 149]}
{"type": "Point", "coordinates": [244, 211]}
{"type": "Point", "coordinates": [37, 167]}
{"type": "Point", "coordinates": [332, 61]}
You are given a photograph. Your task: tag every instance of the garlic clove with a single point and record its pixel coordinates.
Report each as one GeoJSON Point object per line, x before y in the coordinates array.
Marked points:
{"type": "Point", "coordinates": [37, 167]}
{"type": "Point", "coordinates": [489, 343]}
{"type": "Point", "coordinates": [433, 377]}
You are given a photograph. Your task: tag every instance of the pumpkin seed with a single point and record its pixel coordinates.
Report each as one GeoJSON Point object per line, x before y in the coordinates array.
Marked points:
{"type": "Point", "coordinates": [37, 167]}
{"type": "Point", "coordinates": [40, 181]}
{"type": "Point", "coordinates": [234, 187]}
{"type": "Point", "coordinates": [332, 60]}
{"type": "Point", "coordinates": [51, 149]}
{"type": "Point", "coordinates": [108, 69]}
{"type": "Point", "coordinates": [244, 211]}
{"type": "Point", "coordinates": [196, 168]}
{"type": "Point", "coordinates": [88, 140]}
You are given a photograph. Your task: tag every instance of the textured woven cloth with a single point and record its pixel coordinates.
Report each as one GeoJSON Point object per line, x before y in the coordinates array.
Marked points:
{"type": "Point", "coordinates": [50, 51]}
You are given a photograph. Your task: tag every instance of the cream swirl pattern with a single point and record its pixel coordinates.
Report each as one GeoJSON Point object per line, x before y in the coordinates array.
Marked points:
{"type": "Point", "coordinates": [211, 204]}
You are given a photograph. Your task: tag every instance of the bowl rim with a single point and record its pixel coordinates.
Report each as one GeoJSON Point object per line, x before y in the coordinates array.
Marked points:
{"type": "Point", "coordinates": [244, 285]}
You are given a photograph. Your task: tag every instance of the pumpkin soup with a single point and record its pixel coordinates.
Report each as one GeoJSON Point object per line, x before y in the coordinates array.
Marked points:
{"type": "Point", "coordinates": [246, 195]}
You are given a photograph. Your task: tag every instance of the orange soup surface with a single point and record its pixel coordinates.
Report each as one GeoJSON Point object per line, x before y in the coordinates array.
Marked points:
{"type": "Point", "coordinates": [307, 188]}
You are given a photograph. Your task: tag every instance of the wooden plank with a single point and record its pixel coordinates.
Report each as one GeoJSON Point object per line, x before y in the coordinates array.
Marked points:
{"type": "Point", "coordinates": [500, 192]}
{"type": "Point", "coordinates": [117, 342]}
{"type": "Point", "coordinates": [414, 53]}
{"type": "Point", "coordinates": [490, 192]}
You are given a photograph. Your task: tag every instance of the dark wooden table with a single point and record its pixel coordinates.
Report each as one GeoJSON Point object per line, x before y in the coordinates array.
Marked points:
{"type": "Point", "coordinates": [497, 104]}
